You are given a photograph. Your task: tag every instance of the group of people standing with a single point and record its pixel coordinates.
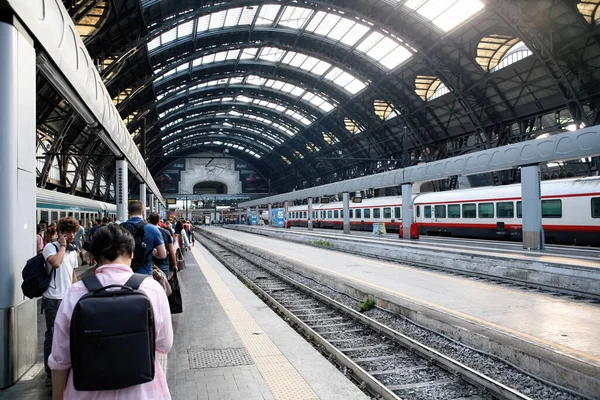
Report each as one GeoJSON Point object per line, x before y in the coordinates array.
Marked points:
{"type": "Point", "coordinates": [112, 247]}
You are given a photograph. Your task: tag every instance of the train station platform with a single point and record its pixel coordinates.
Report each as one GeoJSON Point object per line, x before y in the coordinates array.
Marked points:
{"type": "Point", "coordinates": [566, 269]}
{"type": "Point", "coordinates": [227, 345]}
{"type": "Point", "coordinates": [549, 335]}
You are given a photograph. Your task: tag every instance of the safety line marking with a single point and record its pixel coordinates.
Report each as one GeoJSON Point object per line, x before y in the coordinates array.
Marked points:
{"type": "Point", "coordinates": [555, 346]}
{"type": "Point", "coordinates": [279, 374]}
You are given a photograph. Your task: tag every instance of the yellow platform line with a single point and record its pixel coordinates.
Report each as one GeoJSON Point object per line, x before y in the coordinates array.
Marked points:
{"type": "Point", "coordinates": [281, 377]}
{"type": "Point", "coordinates": [471, 318]}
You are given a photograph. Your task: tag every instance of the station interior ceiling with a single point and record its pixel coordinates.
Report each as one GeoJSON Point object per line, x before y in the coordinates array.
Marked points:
{"type": "Point", "coordinates": [313, 92]}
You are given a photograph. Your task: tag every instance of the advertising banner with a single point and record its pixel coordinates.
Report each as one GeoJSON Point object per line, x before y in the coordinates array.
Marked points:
{"type": "Point", "coordinates": [252, 217]}
{"type": "Point", "coordinates": [277, 216]}
{"type": "Point", "coordinates": [252, 182]}
{"type": "Point", "coordinates": [168, 181]}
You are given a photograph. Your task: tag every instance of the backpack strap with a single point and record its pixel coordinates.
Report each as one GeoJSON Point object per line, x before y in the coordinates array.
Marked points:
{"type": "Point", "coordinates": [135, 281]}
{"type": "Point", "coordinates": [92, 283]}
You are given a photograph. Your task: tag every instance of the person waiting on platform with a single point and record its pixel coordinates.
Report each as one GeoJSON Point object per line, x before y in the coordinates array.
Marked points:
{"type": "Point", "coordinates": [184, 243]}
{"type": "Point", "coordinates": [61, 261]}
{"type": "Point", "coordinates": [112, 247]}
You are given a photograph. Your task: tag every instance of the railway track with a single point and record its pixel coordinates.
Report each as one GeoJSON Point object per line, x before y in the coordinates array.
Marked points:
{"type": "Point", "coordinates": [384, 362]}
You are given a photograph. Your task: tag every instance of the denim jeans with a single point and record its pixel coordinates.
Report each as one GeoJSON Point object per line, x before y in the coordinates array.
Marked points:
{"type": "Point", "coordinates": [50, 308]}
{"type": "Point", "coordinates": [164, 268]}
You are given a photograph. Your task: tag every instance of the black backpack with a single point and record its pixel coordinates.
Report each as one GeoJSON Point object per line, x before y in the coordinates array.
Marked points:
{"type": "Point", "coordinates": [36, 278]}
{"type": "Point", "coordinates": [159, 261]}
{"type": "Point", "coordinates": [140, 252]}
{"type": "Point", "coordinates": [112, 336]}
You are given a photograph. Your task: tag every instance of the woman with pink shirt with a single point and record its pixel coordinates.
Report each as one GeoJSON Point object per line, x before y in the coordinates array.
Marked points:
{"type": "Point", "coordinates": [112, 246]}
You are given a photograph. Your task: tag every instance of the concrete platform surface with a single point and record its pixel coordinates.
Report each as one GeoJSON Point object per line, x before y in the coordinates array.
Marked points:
{"type": "Point", "coordinates": [227, 345]}
{"type": "Point", "coordinates": [560, 329]}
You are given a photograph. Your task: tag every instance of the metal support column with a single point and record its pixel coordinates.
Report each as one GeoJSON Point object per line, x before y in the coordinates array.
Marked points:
{"type": "Point", "coordinates": [285, 215]}
{"type": "Point", "coordinates": [122, 190]}
{"type": "Point", "coordinates": [310, 211]}
{"type": "Point", "coordinates": [257, 215]}
{"type": "Point", "coordinates": [346, 211]}
{"type": "Point", "coordinates": [152, 204]}
{"type": "Point", "coordinates": [533, 235]}
{"type": "Point", "coordinates": [270, 219]}
{"type": "Point", "coordinates": [407, 210]}
{"type": "Point", "coordinates": [18, 316]}
{"type": "Point", "coordinates": [143, 198]}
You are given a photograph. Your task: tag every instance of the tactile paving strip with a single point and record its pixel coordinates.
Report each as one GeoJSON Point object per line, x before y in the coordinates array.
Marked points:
{"type": "Point", "coordinates": [218, 358]}
{"type": "Point", "coordinates": [281, 377]}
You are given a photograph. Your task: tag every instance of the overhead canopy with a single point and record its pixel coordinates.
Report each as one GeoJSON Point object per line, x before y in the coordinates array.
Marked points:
{"type": "Point", "coordinates": [311, 92]}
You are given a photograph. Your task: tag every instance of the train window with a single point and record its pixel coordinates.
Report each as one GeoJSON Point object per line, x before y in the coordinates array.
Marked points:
{"type": "Point", "coordinates": [305, 214]}
{"type": "Point", "coordinates": [350, 213]}
{"type": "Point", "coordinates": [505, 209]}
{"type": "Point", "coordinates": [453, 211]}
{"type": "Point", "coordinates": [367, 213]}
{"type": "Point", "coordinates": [63, 214]}
{"type": "Point", "coordinates": [552, 208]}
{"type": "Point", "coordinates": [44, 216]}
{"type": "Point", "coordinates": [486, 210]}
{"type": "Point", "coordinates": [329, 214]}
{"type": "Point", "coordinates": [427, 212]}
{"type": "Point", "coordinates": [595, 207]}
{"type": "Point", "coordinates": [440, 211]}
{"type": "Point", "coordinates": [336, 214]}
{"type": "Point", "coordinates": [377, 213]}
{"type": "Point", "coordinates": [314, 214]}
{"type": "Point", "coordinates": [469, 210]}
{"type": "Point", "coordinates": [418, 211]}
{"type": "Point", "coordinates": [519, 209]}
{"type": "Point", "coordinates": [54, 218]}
{"type": "Point", "coordinates": [398, 212]}
{"type": "Point", "coordinates": [341, 213]}
{"type": "Point", "coordinates": [357, 213]}
{"type": "Point", "coordinates": [387, 213]}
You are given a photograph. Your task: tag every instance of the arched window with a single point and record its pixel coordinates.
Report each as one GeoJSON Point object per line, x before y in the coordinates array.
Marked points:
{"type": "Point", "coordinates": [590, 9]}
{"type": "Point", "coordinates": [93, 19]}
{"type": "Point", "coordinates": [429, 87]}
{"type": "Point", "coordinates": [495, 52]}
{"type": "Point", "coordinates": [351, 126]}
{"type": "Point", "coordinates": [54, 170]}
{"type": "Point", "coordinates": [385, 110]}
{"type": "Point", "coordinates": [330, 138]}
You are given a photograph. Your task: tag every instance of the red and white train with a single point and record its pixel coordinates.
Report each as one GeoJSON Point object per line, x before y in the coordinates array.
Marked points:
{"type": "Point", "coordinates": [570, 212]}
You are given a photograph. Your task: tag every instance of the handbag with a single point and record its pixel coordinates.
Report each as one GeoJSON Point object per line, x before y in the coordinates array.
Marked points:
{"type": "Point", "coordinates": [160, 277]}
{"type": "Point", "coordinates": [175, 300]}
{"type": "Point", "coordinates": [180, 260]}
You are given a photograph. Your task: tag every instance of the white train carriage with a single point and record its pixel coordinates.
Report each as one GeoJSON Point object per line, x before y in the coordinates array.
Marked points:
{"type": "Point", "coordinates": [570, 212]}
{"type": "Point", "coordinates": [52, 206]}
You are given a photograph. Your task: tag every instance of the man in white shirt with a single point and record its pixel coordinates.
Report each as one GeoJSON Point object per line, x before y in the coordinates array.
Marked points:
{"type": "Point", "coordinates": [61, 261]}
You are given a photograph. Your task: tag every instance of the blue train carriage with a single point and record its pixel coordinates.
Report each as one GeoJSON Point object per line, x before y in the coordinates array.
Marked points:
{"type": "Point", "coordinates": [52, 206]}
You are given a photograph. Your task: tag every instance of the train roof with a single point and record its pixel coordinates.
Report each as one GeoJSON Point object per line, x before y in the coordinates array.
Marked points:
{"type": "Point", "coordinates": [62, 199]}
{"type": "Point", "coordinates": [548, 188]}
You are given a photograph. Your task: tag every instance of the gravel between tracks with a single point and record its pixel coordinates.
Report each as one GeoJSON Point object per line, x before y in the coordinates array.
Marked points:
{"type": "Point", "coordinates": [485, 364]}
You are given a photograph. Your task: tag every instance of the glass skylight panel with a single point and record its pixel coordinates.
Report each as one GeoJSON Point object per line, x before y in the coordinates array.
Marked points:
{"type": "Point", "coordinates": [318, 101]}
{"type": "Point", "coordinates": [345, 80]}
{"type": "Point", "coordinates": [267, 14]}
{"type": "Point", "coordinates": [445, 14]}
{"type": "Point", "coordinates": [337, 28]}
{"type": "Point", "coordinates": [249, 54]}
{"type": "Point", "coordinates": [185, 29]}
{"type": "Point", "coordinates": [232, 17]}
{"type": "Point", "coordinates": [272, 54]}
{"type": "Point", "coordinates": [395, 57]}
{"type": "Point", "coordinates": [295, 17]}
{"type": "Point", "coordinates": [217, 20]}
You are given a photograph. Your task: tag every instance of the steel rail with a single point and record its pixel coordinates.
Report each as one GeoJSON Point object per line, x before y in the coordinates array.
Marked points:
{"type": "Point", "coordinates": [493, 387]}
